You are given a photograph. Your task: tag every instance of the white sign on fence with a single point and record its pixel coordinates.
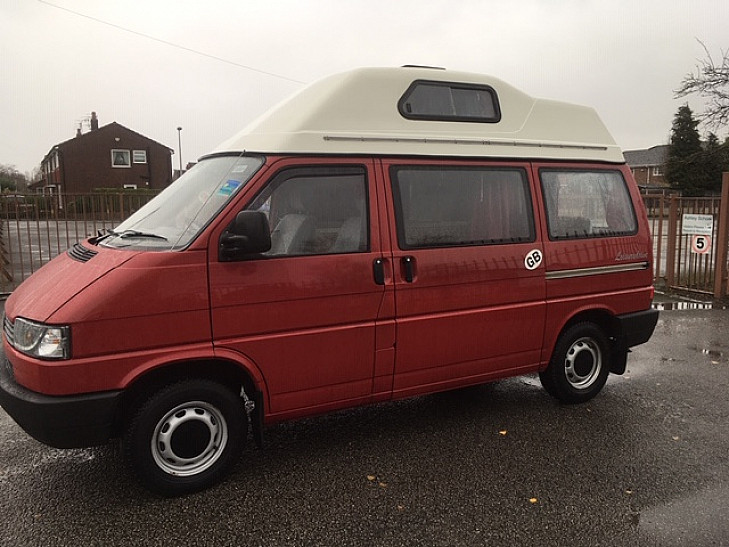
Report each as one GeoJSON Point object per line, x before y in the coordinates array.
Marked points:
{"type": "Point", "coordinates": [702, 225]}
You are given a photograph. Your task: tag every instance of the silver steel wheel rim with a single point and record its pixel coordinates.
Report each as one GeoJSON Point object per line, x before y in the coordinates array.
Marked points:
{"type": "Point", "coordinates": [170, 434]}
{"type": "Point", "coordinates": [583, 363]}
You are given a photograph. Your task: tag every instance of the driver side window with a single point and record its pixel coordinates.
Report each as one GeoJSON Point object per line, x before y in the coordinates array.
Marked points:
{"type": "Point", "coordinates": [316, 211]}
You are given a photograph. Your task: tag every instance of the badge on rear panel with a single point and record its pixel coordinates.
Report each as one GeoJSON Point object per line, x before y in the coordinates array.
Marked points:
{"type": "Point", "coordinates": [533, 259]}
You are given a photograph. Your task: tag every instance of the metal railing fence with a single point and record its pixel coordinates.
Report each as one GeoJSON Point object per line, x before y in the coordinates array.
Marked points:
{"type": "Point", "coordinates": [35, 228]}
{"type": "Point", "coordinates": [686, 258]}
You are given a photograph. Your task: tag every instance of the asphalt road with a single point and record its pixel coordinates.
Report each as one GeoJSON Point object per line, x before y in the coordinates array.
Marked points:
{"type": "Point", "coordinates": [645, 463]}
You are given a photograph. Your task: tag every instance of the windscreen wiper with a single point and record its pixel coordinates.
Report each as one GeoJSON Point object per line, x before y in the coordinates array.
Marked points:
{"type": "Point", "coordinates": [136, 233]}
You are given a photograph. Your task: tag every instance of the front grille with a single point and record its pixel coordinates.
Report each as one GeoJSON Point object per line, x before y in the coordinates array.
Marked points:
{"type": "Point", "coordinates": [9, 330]}
{"type": "Point", "coordinates": [81, 253]}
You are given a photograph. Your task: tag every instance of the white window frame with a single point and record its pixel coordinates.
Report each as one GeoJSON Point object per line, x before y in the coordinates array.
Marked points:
{"type": "Point", "coordinates": [130, 186]}
{"type": "Point", "coordinates": [126, 153]}
{"type": "Point", "coordinates": [139, 156]}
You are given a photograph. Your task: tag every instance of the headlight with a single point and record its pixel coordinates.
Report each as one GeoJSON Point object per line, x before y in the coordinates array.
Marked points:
{"type": "Point", "coordinates": [42, 341]}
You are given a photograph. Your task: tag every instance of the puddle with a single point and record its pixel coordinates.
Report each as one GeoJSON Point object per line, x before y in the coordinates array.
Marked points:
{"type": "Point", "coordinates": [714, 354]}
{"type": "Point", "coordinates": [531, 381]}
{"type": "Point", "coordinates": [682, 305]}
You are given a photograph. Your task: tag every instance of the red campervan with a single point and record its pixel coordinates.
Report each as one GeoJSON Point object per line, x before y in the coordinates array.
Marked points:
{"type": "Point", "coordinates": [385, 233]}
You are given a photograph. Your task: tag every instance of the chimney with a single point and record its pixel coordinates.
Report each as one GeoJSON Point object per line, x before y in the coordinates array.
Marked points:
{"type": "Point", "coordinates": [94, 122]}
{"type": "Point", "coordinates": [78, 131]}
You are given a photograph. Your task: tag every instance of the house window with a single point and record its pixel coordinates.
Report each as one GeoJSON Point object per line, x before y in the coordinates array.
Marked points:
{"type": "Point", "coordinates": [139, 156]}
{"type": "Point", "coordinates": [120, 158]}
{"type": "Point", "coordinates": [130, 186]}
{"type": "Point", "coordinates": [657, 171]}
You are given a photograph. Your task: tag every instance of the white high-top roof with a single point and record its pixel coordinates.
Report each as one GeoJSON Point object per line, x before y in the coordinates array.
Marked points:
{"type": "Point", "coordinates": [356, 112]}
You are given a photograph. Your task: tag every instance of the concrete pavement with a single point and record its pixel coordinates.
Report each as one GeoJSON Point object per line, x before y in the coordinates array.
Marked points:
{"type": "Point", "coordinates": [645, 463]}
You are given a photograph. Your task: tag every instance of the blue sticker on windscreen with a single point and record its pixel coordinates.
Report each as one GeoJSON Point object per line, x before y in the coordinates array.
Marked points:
{"type": "Point", "coordinates": [229, 187]}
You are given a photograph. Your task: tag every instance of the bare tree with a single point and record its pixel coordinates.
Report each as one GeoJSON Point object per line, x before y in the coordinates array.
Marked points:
{"type": "Point", "coordinates": [710, 81]}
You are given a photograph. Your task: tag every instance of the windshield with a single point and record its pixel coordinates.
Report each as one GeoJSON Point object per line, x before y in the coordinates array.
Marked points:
{"type": "Point", "coordinates": [174, 218]}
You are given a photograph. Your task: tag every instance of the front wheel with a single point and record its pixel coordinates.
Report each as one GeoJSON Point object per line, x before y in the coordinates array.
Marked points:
{"type": "Point", "coordinates": [186, 437]}
{"type": "Point", "coordinates": [579, 366]}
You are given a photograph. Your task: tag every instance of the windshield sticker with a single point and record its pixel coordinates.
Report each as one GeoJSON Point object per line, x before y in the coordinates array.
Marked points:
{"type": "Point", "coordinates": [229, 187]}
{"type": "Point", "coordinates": [240, 168]}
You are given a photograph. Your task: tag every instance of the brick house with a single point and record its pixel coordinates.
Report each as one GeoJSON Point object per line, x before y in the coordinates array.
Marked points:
{"type": "Point", "coordinates": [648, 167]}
{"type": "Point", "coordinates": [111, 156]}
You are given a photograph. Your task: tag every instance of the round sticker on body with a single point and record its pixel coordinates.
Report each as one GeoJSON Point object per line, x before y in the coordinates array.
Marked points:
{"type": "Point", "coordinates": [533, 259]}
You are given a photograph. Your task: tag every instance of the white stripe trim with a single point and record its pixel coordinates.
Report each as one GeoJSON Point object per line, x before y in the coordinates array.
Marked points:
{"type": "Point", "coordinates": [461, 140]}
{"type": "Point", "coordinates": [601, 270]}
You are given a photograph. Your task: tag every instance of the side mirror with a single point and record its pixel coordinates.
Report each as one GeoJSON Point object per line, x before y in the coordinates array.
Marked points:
{"type": "Point", "coordinates": [249, 234]}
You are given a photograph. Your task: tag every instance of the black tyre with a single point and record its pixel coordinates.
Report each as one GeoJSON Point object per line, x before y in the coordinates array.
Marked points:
{"type": "Point", "coordinates": [579, 366]}
{"type": "Point", "coordinates": [186, 437]}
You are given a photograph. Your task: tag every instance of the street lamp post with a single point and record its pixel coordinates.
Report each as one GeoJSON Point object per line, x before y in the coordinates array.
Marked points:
{"type": "Point", "coordinates": [179, 147]}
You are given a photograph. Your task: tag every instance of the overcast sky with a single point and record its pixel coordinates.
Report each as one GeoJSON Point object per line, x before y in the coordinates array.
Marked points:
{"type": "Point", "coordinates": [211, 67]}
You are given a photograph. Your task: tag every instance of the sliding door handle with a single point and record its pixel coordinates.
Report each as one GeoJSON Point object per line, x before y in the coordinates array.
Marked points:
{"type": "Point", "coordinates": [408, 264]}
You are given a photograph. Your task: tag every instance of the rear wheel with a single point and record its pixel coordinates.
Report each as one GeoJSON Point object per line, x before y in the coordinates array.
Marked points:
{"type": "Point", "coordinates": [186, 437]}
{"type": "Point", "coordinates": [579, 366]}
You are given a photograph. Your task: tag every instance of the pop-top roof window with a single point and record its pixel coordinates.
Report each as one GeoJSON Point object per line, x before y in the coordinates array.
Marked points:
{"type": "Point", "coordinates": [445, 101]}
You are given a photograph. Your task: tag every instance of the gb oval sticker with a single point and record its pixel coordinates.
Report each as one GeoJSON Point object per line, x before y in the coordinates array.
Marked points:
{"type": "Point", "coordinates": [533, 259]}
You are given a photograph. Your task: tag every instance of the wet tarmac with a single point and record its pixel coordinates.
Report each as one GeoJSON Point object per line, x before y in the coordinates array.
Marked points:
{"type": "Point", "coordinates": [643, 464]}
{"type": "Point", "coordinates": [669, 302]}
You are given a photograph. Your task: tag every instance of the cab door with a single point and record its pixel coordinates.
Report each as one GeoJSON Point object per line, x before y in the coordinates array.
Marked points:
{"type": "Point", "coordinates": [467, 271]}
{"type": "Point", "coordinates": [304, 313]}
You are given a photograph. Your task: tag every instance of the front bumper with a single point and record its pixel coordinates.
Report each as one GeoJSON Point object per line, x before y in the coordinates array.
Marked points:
{"type": "Point", "coordinates": [63, 422]}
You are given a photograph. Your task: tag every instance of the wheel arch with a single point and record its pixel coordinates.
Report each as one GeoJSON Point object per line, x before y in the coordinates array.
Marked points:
{"type": "Point", "coordinates": [599, 316]}
{"type": "Point", "coordinates": [608, 323]}
{"type": "Point", "coordinates": [224, 371]}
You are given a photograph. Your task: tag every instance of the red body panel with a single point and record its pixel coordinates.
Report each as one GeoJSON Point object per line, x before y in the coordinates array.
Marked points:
{"type": "Point", "coordinates": [321, 332]}
{"type": "Point", "coordinates": [470, 314]}
{"type": "Point", "coordinates": [615, 293]}
{"type": "Point", "coordinates": [57, 282]}
{"type": "Point", "coordinates": [308, 322]}
{"type": "Point", "coordinates": [142, 306]}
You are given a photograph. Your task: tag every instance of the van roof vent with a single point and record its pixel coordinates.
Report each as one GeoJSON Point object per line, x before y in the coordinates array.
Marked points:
{"type": "Point", "coordinates": [81, 253]}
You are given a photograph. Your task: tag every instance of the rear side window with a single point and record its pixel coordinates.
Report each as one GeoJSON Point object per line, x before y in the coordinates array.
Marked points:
{"type": "Point", "coordinates": [443, 101]}
{"type": "Point", "coordinates": [456, 206]}
{"type": "Point", "coordinates": [583, 204]}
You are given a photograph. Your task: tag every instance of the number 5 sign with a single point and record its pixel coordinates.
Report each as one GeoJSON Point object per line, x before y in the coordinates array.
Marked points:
{"type": "Point", "coordinates": [700, 244]}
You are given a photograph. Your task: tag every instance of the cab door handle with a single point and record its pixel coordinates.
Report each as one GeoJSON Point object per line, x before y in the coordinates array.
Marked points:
{"type": "Point", "coordinates": [378, 271]}
{"type": "Point", "coordinates": [408, 264]}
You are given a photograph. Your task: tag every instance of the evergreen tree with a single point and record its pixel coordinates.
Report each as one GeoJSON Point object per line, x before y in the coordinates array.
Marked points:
{"type": "Point", "coordinates": [711, 165]}
{"type": "Point", "coordinates": [684, 153]}
{"type": "Point", "coordinates": [724, 155]}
